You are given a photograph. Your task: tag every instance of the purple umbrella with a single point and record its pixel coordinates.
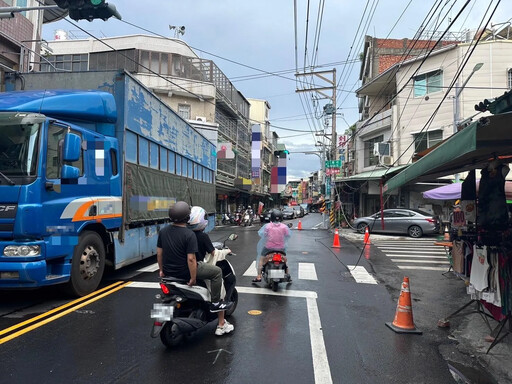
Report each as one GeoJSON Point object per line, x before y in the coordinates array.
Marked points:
{"type": "Point", "coordinates": [452, 191]}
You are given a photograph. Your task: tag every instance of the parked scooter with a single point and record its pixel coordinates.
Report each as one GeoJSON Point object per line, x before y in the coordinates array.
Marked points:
{"type": "Point", "coordinates": [183, 310]}
{"type": "Point", "coordinates": [273, 271]}
{"type": "Point", "coordinates": [228, 219]}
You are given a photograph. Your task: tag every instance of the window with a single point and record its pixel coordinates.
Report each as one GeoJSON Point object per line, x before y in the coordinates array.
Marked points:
{"type": "Point", "coordinates": [184, 111]}
{"type": "Point", "coordinates": [54, 162]}
{"type": "Point", "coordinates": [369, 157]}
{"type": "Point", "coordinates": [67, 62]}
{"type": "Point", "coordinates": [428, 83]}
{"type": "Point", "coordinates": [153, 155]}
{"type": "Point", "coordinates": [178, 164]}
{"type": "Point", "coordinates": [190, 169]}
{"type": "Point", "coordinates": [172, 162]}
{"type": "Point", "coordinates": [113, 161]}
{"type": "Point", "coordinates": [163, 159]}
{"type": "Point", "coordinates": [426, 140]}
{"type": "Point", "coordinates": [184, 167]}
{"type": "Point", "coordinates": [143, 152]}
{"type": "Point", "coordinates": [131, 147]}
{"type": "Point", "coordinates": [509, 78]}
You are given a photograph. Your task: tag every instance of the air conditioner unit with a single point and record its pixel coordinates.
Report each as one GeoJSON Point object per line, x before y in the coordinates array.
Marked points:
{"type": "Point", "coordinates": [381, 149]}
{"type": "Point", "coordinates": [386, 160]}
{"type": "Point", "coordinates": [201, 118]}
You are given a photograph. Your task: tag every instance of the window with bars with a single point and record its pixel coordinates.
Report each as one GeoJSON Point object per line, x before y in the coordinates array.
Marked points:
{"type": "Point", "coordinates": [509, 78]}
{"type": "Point", "coordinates": [369, 157]}
{"type": "Point", "coordinates": [184, 111]}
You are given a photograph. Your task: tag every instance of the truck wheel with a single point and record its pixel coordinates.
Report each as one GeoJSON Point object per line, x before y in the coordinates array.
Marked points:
{"type": "Point", "coordinates": [87, 265]}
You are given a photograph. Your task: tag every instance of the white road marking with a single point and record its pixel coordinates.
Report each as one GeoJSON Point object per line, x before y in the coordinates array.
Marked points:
{"type": "Point", "coordinates": [420, 261]}
{"type": "Point", "coordinates": [361, 275]}
{"type": "Point", "coordinates": [307, 271]}
{"type": "Point", "coordinates": [149, 268]}
{"type": "Point", "coordinates": [251, 271]}
{"type": "Point", "coordinates": [321, 367]}
{"type": "Point", "coordinates": [415, 267]}
{"type": "Point", "coordinates": [418, 257]}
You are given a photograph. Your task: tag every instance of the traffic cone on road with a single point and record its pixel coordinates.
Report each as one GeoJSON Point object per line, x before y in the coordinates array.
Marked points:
{"type": "Point", "coordinates": [336, 241]}
{"type": "Point", "coordinates": [299, 227]}
{"type": "Point", "coordinates": [403, 322]}
{"type": "Point", "coordinates": [367, 237]}
{"type": "Point", "coordinates": [446, 233]}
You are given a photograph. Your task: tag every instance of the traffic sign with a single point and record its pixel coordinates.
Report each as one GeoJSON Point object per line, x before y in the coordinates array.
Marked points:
{"type": "Point", "coordinates": [333, 164]}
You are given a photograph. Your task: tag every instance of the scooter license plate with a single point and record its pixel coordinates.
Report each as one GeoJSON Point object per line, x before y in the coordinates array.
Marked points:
{"type": "Point", "coordinates": [276, 273]}
{"type": "Point", "coordinates": [162, 312]}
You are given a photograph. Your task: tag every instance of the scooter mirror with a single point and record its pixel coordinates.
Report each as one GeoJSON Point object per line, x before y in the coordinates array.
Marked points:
{"type": "Point", "coordinates": [289, 225]}
{"type": "Point", "coordinates": [233, 236]}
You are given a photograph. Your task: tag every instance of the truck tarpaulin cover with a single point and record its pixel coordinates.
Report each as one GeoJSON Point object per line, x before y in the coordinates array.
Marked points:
{"type": "Point", "coordinates": [150, 192]}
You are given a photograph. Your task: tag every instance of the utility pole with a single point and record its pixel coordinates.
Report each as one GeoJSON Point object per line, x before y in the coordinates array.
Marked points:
{"type": "Point", "coordinates": [329, 109]}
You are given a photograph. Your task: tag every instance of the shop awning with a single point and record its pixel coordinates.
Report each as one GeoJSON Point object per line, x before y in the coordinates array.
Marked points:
{"type": "Point", "coordinates": [473, 147]}
{"type": "Point", "coordinates": [376, 174]}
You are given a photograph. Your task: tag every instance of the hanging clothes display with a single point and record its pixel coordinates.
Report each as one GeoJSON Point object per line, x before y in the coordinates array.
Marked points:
{"type": "Point", "coordinates": [492, 203]}
{"type": "Point", "coordinates": [479, 269]}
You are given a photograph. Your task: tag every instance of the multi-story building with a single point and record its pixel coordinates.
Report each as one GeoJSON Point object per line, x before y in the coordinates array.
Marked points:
{"type": "Point", "coordinates": [20, 35]}
{"type": "Point", "coordinates": [263, 149]}
{"type": "Point", "coordinates": [196, 88]}
{"type": "Point", "coordinates": [410, 106]}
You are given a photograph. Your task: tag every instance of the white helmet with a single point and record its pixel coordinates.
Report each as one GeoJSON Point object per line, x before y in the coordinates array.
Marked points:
{"type": "Point", "coordinates": [197, 221]}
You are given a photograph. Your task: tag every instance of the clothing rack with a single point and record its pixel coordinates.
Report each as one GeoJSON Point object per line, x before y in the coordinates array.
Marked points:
{"type": "Point", "coordinates": [480, 309]}
{"type": "Point", "coordinates": [499, 328]}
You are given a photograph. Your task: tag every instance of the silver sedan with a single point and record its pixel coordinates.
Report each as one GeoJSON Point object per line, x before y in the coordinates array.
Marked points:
{"type": "Point", "coordinates": [413, 222]}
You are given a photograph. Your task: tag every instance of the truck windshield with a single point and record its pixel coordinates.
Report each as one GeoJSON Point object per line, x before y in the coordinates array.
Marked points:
{"type": "Point", "coordinates": [19, 139]}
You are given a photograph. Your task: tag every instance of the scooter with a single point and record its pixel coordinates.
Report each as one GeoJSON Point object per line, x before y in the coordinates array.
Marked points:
{"type": "Point", "coordinates": [184, 309]}
{"type": "Point", "coordinates": [273, 270]}
{"type": "Point", "coordinates": [247, 221]}
{"type": "Point", "coordinates": [228, 219]}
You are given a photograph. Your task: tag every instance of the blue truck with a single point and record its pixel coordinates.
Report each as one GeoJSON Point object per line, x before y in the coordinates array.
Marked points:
{"type": "Point", "coordinates": [90, 162]}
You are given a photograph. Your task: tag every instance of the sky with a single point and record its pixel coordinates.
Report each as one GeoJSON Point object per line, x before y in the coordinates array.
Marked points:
{"type": "Point", "coordinates": [259, 45]}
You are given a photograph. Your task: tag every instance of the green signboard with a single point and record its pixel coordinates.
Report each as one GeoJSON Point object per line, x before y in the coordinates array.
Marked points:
{"type": "Point", "coordinates": [333, 164]}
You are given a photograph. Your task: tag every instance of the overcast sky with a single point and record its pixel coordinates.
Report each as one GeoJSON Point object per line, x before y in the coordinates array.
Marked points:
{"type": "Point", "coordinates": [251, 39]}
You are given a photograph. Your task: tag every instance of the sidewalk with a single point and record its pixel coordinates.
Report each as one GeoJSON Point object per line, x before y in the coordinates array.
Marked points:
{"type": "Point", "coordinates": [466, 346]}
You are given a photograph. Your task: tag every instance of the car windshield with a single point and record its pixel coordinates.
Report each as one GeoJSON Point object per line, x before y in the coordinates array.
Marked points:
{"type": "Point", "coordinates": [421, 212]}
{"type": "Point", "coordinates": [19, 141]}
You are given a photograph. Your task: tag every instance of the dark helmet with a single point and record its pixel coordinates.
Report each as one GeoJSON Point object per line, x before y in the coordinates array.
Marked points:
{"type": "Point", "coordinates": [179, 212]}
{"type": "Point", "coordinates": [276, 215]}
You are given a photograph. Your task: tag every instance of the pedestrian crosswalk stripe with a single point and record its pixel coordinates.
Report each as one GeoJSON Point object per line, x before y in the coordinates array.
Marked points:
{"type": "Point", "coordinates": [416, 267]}
{"type": "Point", "coordinates": [417, 256]}
{"type": "Point", "coordinates": [149, 268]}
{"type": "Point", "coordinates": [307, 271]}
{"type": "Point", "coordinates": [420, 261]}
{"type": "Point", "coordinates": [251, 271]}
{"type": "Point", "coordinates": [361, 275]}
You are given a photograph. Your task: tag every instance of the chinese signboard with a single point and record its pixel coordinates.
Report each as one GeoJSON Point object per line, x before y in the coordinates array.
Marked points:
{"type": "Point", "coordinates": [333, 164]}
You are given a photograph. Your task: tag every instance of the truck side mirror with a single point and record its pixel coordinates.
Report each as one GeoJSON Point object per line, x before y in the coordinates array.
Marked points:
{"type": "Point", "coordinates": [69, 172]}
{"type": "Point", "coordinates": [71, 148]}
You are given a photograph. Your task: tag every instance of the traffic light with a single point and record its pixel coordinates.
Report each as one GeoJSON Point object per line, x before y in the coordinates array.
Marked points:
{"type": "Point", "coordinates": [482, 106]}
{"type": "Point", "coordinates": [89, 9]}
{"type": "Point", "coordinates": [499, 105]}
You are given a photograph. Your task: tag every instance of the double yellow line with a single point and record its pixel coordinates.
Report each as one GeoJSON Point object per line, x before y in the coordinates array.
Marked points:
{"type": "Point", "coordinates": [54, 314]}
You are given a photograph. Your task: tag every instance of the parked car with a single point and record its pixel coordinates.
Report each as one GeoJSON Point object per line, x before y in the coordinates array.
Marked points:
{"type": "Point", "coordinates": [305, 206]}
{"type": "Point", "coordinates": [265, 216]}
{"type": "Point", "coordinates": [289, 213]}
{"type": "Point", "coordinates": [299, 211]}
{"type": "Point", "coordinates": [413, 222]}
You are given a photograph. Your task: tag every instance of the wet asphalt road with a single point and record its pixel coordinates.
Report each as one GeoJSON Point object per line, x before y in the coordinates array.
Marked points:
{"type": "Point", "coordinates": [313, 331]}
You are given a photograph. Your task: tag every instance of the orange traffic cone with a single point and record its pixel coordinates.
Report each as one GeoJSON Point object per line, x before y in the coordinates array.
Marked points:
{"type": "Point", "coordinates": [336, 241]}
{"type": "Point", "coordinates": [299, 227]}
{"type": "Point", "coordinates": [403, 322]}
{"type": "Point", "coordinates": [367, 237]}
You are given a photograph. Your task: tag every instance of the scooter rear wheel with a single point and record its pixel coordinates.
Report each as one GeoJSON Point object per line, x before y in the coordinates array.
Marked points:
{"type": "Point", "coordinates": [171, 335]}
{"type": "Point", "coordinates": [273, 285]}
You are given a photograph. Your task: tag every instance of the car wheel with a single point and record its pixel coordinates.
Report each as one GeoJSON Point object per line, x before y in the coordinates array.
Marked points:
{"type": "Point", "coordinates": [415, 231]}
{"type": "Point", "coordinates": [361, 227]}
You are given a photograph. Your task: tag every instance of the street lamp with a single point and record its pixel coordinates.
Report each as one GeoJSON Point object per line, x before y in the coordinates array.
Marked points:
{"type": "Point", "coordinates": [458, 91]}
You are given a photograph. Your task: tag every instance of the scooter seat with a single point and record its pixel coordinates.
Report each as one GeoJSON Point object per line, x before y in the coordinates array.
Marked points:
{"type": "Point", "coordinates": [281, 251]}
{"type": "Point", "coordinates": [171, 279]}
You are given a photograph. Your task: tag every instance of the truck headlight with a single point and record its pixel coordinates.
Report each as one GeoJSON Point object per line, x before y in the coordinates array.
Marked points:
{"type": "Point", "coordinates": [22, 250]}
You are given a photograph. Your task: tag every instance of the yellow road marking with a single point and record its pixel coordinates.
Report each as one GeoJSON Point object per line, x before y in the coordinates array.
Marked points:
{"type": "Point", "coordinates": [254, 312]}
{"type": "Point", "coordinates": [118, 286]}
